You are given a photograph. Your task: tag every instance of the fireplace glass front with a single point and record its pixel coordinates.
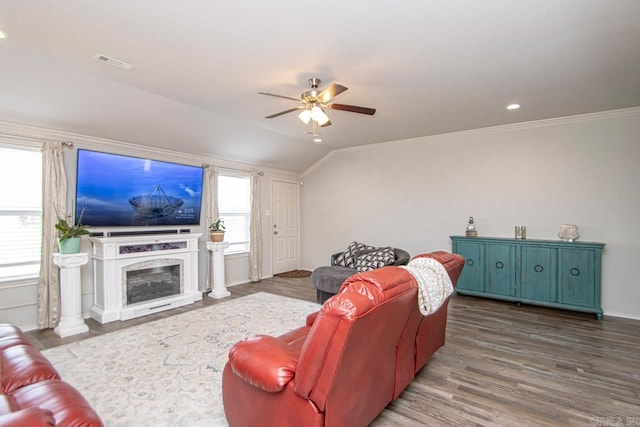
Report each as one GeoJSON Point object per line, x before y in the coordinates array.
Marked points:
{"type": "Point", "coordinates": [147, 284]}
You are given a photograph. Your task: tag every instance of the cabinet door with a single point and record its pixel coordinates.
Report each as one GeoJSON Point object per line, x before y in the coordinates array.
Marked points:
{"type": "Point", "coordinates": [576, 277]}
{"type": "Point", "coordinates": [501, 269]}
{"type": "Point", "coordinates": [539, 273]}
{"type": "Point", "coordinates": [472, 277]}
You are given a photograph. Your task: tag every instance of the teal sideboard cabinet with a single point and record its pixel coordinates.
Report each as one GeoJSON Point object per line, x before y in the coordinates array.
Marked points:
{"type": "Point", "coordinates": [543, 272]}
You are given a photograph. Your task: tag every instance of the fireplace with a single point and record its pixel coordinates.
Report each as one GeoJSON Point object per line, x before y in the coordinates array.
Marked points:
{"type": "Point", "coordinates": [150, 280]}
{"type": "Point", "coordinates": [139, 275]}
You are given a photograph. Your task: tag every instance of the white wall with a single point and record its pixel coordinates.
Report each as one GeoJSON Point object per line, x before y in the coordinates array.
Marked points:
{"type": "Point", "coordinates": [18, 302]}
{"type": "Point", "coordinates": [414, 194]}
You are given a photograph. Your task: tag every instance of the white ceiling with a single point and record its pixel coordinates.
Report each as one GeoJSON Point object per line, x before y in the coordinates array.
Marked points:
{"type": "Point", "coordinates": [428, 66]}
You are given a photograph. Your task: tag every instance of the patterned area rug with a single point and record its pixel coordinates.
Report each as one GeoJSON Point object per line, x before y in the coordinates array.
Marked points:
{"type": "Point", "coordinates": [169, 372]}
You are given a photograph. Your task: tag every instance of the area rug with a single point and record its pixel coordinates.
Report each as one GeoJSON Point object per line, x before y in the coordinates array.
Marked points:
{"type": "Point", "coordinates": [294, 274]}
{"type": "Point", "coordinates": [169, 372]}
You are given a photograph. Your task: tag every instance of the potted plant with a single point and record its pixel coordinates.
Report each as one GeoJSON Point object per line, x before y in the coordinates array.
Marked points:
{"type": "Point", "coordinates": [217, 230]}
{"type": "Point", "coordinates": [69, 234]}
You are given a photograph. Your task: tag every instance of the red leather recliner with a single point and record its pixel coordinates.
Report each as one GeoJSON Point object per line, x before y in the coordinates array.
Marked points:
{"type": "Point", "coordinates": [352, 358]}
{"type": "Point", "coordinates": [31, 391]}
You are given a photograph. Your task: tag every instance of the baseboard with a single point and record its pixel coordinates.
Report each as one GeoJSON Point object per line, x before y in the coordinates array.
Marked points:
{"type": "Point", "coordinates": [236, 283]}
{"type": "Point", "coordinates": [27, 328]}
{"type": "Point", "coordinates": [621, 316]}
{"type": "Point", "coordinates": [247, 281]}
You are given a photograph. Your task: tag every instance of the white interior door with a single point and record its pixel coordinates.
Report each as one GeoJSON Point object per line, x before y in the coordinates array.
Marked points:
{"type": "Point", "coordinates": [285, 227]}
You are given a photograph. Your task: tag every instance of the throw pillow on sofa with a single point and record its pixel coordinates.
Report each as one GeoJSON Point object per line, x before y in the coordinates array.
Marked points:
{"type": "Point", "coordinates": [348, 257]}
{"type": "Point", "coordinates": [375, 259]}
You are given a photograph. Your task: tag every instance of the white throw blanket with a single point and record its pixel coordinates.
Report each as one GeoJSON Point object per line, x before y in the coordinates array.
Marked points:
{"type": "Point", "coordinates": [434, 283]}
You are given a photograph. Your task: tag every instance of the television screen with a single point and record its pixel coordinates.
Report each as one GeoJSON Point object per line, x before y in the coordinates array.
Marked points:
{"type": "Point", "coordinates": [115, 190]}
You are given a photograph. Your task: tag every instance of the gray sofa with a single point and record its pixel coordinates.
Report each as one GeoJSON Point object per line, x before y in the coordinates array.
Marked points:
{"type": "Point", "coordinates": [329, 279]}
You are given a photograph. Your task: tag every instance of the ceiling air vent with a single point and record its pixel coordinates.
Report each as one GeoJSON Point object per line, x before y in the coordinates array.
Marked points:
{"type": "Point", "coordinates": [114, 62]}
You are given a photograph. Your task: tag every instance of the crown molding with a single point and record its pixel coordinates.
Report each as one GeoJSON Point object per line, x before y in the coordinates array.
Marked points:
{"type": "Point", "coordinates": [29, 135]}
{"type": "Point", "coordinates": [556, 121]}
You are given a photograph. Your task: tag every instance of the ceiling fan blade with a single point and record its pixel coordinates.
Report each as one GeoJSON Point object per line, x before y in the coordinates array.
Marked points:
{"type": "Point", "coordinates": [353, 109]}
{"type": "Point", "coordinates": [285, 112]}
{"type": "Point", "coordinates": [326, 124]}
{"type": "Point", "coordinates": [330, 92]}
{"type": "Point", "coordinates": [279, 96]}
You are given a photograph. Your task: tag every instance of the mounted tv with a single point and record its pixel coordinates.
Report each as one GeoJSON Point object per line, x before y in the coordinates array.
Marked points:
{"type": "Point", "coordinates": [117, 191]}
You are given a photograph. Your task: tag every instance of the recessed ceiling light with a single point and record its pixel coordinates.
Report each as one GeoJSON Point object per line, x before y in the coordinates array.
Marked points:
{"type": "Point", "coordinates": [3, 35]}
{"type": "Point", "coordinates": [513, 106]}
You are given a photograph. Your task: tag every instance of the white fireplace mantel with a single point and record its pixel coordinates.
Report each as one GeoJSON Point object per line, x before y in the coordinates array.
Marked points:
{"type": "Point", "coordinates": [114, 256]}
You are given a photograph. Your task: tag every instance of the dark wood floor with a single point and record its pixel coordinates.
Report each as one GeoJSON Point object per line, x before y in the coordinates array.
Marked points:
{"type": "Point", "coordinates": [502, 365]}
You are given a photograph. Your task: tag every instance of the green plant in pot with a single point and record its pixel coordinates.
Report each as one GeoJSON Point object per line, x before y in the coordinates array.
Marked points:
{"type": "Point", "coordinates": [69, 234]}
{"type": "Point", "coordinates": [217, 230]}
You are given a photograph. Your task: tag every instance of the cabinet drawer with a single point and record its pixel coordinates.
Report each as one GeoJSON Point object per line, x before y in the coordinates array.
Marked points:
{"type": "Point", "coordinates": [539, 273]}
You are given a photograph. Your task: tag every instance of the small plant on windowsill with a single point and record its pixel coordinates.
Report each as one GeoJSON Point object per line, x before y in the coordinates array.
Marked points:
{"type": "Point", "coordinates": [217, 230]}
{"type": "Point", "coordinates": [69, 233]}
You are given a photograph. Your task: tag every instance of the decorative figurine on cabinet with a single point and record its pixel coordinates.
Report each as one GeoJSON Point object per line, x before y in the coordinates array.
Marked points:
{"type": "Point", "coordinates": [471, 229]}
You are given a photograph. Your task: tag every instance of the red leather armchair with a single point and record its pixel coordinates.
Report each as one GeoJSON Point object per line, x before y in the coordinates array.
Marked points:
{"type": "Point", "coordinates": [31, 391]}
{"type": "Point", "coordinates": [349, 360]}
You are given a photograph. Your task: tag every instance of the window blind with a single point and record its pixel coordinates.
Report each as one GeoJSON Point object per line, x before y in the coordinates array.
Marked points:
{"type": "Point", "coordinates": [234, 207]}
{"type": "Point", "coordinates": [20, 214]}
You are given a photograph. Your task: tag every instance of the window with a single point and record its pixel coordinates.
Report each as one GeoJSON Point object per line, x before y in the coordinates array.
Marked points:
{"type": "Point", "coordinates": [20, 213]}
{"type": "Point", "coordinates": [234, 206]}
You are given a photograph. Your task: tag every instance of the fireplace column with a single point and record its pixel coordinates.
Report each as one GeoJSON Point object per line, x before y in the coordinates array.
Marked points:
{"type": "Point", "coordinates": [219, 289]}
{"type": "Point", "coordinates": [71, 321]}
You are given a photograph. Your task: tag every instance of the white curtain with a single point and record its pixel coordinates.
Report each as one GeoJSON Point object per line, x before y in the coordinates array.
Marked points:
{"type": "Point", "coordinates": [212, 211]}
{"type": "Point", "coordinates": [255, 230]}
{"type": "Point", "coordinates": [54, 203]}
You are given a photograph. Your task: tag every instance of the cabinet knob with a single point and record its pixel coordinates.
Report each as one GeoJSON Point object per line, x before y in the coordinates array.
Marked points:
{"type": "Point", "coordinates": [469, 262]}
{"type": "Point", "coordinates": [538, 268]}
{"type": "Point", "coordinates": [499, 265]}
{"type": "Point", "coordinates": [574, 271]}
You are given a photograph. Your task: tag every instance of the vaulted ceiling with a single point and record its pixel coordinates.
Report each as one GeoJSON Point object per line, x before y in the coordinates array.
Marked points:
{"type": "Point", "coordinates": [427, 66]}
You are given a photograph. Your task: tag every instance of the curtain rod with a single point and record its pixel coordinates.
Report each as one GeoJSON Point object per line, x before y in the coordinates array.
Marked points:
{"type": "Point", "coordinates": [206, 165]}
{"type": "Point", "coordinates": [28, 138]}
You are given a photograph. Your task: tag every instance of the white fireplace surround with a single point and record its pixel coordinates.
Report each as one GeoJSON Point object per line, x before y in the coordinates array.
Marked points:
{"type": "Point", "coordinates": [114, 256]}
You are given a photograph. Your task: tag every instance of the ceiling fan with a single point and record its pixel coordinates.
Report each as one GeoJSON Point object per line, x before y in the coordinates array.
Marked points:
{"type": "Point", "coordinates": [313, 102]}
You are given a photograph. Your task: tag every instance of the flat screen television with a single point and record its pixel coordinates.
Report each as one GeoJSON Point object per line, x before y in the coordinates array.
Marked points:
{"type": "Point", "coordinates": [115, 190]}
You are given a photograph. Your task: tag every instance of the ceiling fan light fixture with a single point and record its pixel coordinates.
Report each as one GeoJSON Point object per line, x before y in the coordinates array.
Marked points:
{"type": "Point", "coordinates": [312, 103]}
{"type": "Point", "coordinates": [318, 115]}
{"type": "Point", "coordinates": [317, 139]}
{"type": "Point", "coordinates": [305, 116]}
